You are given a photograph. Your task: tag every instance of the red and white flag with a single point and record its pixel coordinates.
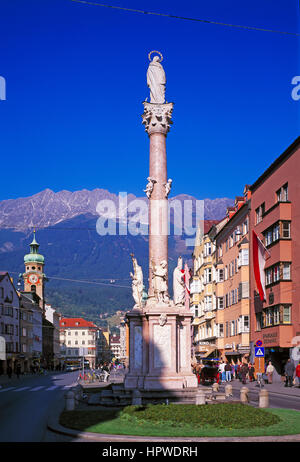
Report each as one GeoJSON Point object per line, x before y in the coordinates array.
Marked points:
{"type": "Point", "coordinates": [259, 260]}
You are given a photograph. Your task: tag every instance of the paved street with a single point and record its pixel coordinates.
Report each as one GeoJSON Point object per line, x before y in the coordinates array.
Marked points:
{"type": "Point", "coordinates": [25, 405]}
{"type": "Point", "coordinates": [279, 395]}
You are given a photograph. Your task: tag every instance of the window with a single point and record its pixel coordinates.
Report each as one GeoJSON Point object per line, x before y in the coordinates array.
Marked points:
{"type": "Point", "coordinates": [232, 328]}
{"type": "Point", "coordinates": [245, 227]}
{"type": "Point", "coordinates": [276, 316]}
{"type": "Point", "coordinates": [221, 275]}
{"type": "Point", "coordinates": [286, 314]}
{"type": "Point", "coordinates": [221, 330]}
{"type": "Point", "coordinates": [259, 212]}
{"type": "Point", "coordinates": [220, 303]}
{"type": "Point", "coordinates": [278, 272]}
{"type": "Point", "coordinates": [282, 193]}
{"type": "Point", "coordinates": [286, 229]}
{"type": "Point", "coordinates": [286, 271]}
{"type": "Point", "coordinates": [243, 257]}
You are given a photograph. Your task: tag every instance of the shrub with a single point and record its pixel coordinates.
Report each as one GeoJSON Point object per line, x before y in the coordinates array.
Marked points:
{"type": "Point", "coordinates": [223, 415]}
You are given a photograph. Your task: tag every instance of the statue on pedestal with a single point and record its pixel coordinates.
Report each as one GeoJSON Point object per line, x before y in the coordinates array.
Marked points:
{"type": "Point", "coordinates": [159, 281]}
{"type": "Point", "coordinates": [137, 282]}
{"type": "Point", "coordinates": [156, 79]}
{"type": "Point", "coordinates": [178, 284]}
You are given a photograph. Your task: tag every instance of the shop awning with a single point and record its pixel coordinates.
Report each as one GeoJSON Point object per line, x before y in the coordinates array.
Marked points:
{"type": "Point", "coordinates": [207, 353]}
{"type": "Point", "coordinates": [233, 353]}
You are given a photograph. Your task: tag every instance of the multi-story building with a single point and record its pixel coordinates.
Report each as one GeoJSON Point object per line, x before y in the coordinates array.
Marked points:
{"type": "Point", "coordinates": [26, 333]}
{"type": "Point", "coordinates": [203, 301]}
{"type": "Point", "coordinates": [232, 282]}
{"type": "Point", "coordinates": [53, 317]}
{"type": "Point", "coordinates": [115, 347]}
{"type": "Point", "coordinates": [104, 353]}
{"type": "Point", "coordinates": [32, 314]}
{"type": "Point", "coordinates": [78, 339]}
{"type": "Point", "coordinates": [9, 321]}
{"type": "Point", "coordinates": [275, 219]}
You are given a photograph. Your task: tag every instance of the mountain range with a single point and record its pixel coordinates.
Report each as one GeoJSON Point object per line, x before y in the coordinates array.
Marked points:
{"type": "Point", "coordinates": [88, 273]}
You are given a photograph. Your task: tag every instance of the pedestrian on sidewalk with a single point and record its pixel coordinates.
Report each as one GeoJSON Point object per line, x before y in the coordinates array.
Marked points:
{"type": "Point", "coordinates": [228, 372]}
{"type": "Point", "coordinates": [18, 370]}
{"type": "Point", "coordinates": [298, 374]}
{"type": "Point", "coordinates": [106, 372]}
{"type": "Point", "coordinates": [289, 373]}
{"type": "Point", "coordinates": [222, 371]}
{"type": "Point", "coordinates": [251, 372]}
{"type": "Point", "coordinates": [9, 371]}
{"type": "Point", "coordinates": [244, 372]}
{"type": "Point", "coordinates": [269, 372]}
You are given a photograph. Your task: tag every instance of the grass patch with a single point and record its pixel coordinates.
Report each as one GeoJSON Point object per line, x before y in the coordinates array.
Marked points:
{"type": "Point", "coordinates": [185, 420]}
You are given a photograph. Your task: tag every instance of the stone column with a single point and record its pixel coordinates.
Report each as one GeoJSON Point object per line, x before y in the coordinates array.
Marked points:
{"type": "Point", "coordinates": [157, 121]}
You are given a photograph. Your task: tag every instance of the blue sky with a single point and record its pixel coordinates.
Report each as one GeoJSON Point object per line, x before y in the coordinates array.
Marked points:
{"type": "Point", "coordinates": [76, 80]}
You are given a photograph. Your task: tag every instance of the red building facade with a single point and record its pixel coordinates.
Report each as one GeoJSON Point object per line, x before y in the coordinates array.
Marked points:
{"type": "Point", "coordinates": [275, 218]}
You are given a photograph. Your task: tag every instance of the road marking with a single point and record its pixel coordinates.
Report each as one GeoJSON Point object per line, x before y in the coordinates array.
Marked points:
{"type": "Point", "coordinates": [52, 388]}
{"type": "Point", "coordinates": [7, 389]}
{"type": "Point", "coordinates": [37, 388]}
{"type": "Point", "coordinates": [21, 389]}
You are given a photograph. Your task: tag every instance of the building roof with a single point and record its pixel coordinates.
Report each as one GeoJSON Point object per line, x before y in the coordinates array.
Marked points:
{"type": "Point", "coordinates": [76, 322]}
{"type": "Point", "coordinates": [277, 163]}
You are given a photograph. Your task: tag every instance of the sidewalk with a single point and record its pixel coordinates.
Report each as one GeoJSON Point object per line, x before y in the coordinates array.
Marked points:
{"type": "Point", "coordinates": [275, 387]}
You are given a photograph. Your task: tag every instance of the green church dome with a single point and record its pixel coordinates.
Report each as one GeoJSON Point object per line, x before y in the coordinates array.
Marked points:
{"type": "Point", "coordinates": [34, 256]}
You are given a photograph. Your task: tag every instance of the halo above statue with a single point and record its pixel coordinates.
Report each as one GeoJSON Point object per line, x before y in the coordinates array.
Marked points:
{"type": "Point", "coordinates": [157, 52]}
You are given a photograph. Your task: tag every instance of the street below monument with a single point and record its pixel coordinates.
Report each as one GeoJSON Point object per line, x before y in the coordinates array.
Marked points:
{"type": "Point", "coordinates": [25, 405]}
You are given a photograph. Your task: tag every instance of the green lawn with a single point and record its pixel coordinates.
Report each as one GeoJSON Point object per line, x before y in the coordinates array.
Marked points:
{"type": "Point", "coordinates": [185, 420]}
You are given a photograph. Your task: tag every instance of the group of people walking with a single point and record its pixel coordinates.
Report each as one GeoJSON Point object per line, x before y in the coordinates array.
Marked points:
{"type": "Point", "coordinates": [243, 371]}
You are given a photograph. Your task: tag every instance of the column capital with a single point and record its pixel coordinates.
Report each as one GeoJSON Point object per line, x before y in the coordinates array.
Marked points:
{"type": "Point", "coordinates": [157, 117]}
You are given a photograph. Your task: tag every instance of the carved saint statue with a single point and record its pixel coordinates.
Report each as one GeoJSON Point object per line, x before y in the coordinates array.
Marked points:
{"type": "Point", "coordinates": [159, 282]}
{"type": "Point", "coordinates": [156, 80]}
{"type": "Point", "coordinates": [149, 187]}
{"type": "Point", "coordinates": [168, 187]}
{"type": "Point", "coordinates": [178, 284]}
{"type": "Point", "coordinates": [137, 282]}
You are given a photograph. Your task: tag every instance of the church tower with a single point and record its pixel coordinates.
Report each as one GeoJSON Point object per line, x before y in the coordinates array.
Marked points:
{"type": "Point", "coordinates": [34, 277]}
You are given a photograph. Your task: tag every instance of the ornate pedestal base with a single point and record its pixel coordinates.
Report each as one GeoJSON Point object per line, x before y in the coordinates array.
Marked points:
{"type": "Point", "coordinates": [160, 348]}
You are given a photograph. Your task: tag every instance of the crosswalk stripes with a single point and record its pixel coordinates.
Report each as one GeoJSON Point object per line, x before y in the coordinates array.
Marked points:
{"type": "Point", "coordinates": [36, 389]}
{"type": "Point", "coordinates": [6, 389]}
{"type": "Point", "coordinates": [20, 389]}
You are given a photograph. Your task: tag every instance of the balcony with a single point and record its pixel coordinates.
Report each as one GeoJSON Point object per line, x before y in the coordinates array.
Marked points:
{"type": "Point", "coordinates": [209, 315]}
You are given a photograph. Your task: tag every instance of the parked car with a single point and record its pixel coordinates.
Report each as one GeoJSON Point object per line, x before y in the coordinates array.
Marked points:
{"type": "Point", "coordinates": [209, 375]}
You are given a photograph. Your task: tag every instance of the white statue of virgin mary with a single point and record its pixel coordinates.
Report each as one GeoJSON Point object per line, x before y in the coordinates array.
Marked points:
{"type": "Point", "coordinates": [156, 81]}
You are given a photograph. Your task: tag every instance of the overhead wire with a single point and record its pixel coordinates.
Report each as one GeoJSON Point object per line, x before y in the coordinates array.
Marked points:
{"type": "Point", "coordinates": [172, 16]}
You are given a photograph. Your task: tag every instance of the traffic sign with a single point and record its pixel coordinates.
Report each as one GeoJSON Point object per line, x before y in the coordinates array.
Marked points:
{"type": "Point", "coordinates": [260, 352]}
{"type": "Point", "coordinates": [258, 343]}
